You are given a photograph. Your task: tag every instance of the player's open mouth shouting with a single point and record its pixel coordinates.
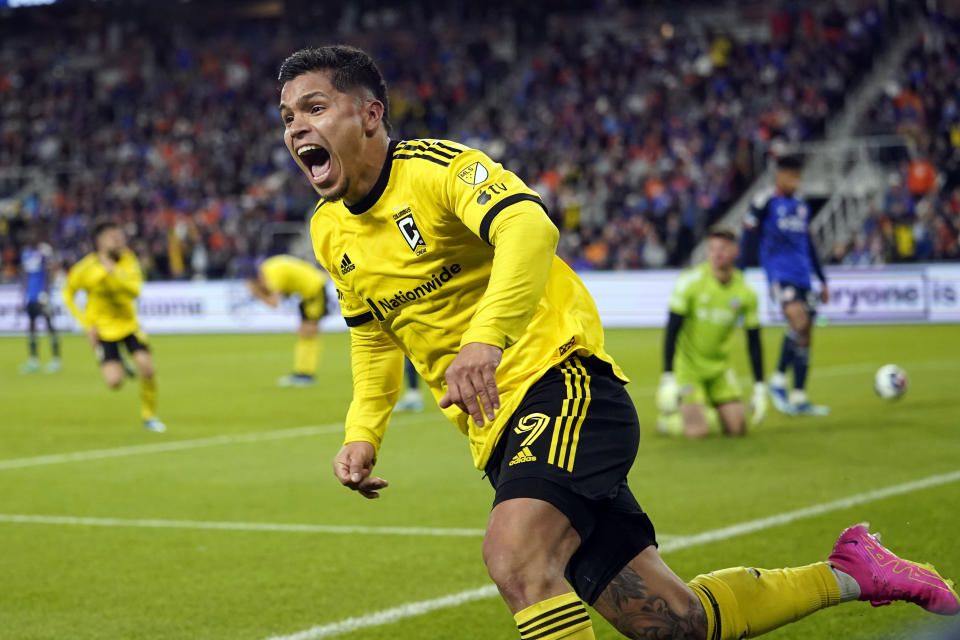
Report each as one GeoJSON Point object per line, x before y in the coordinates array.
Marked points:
{"type": "Point", "coordinates": [316, 162]}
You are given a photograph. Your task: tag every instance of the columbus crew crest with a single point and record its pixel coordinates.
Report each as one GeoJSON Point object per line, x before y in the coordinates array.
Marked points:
{"type": "Point", "coordinates": [410, 232]}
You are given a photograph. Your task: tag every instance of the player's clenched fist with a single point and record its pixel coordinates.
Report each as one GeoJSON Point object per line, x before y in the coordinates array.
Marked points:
{"type": "Point", "coordinates": [471, 376]}
{"type": "Point", "coordinates": [352, 466]}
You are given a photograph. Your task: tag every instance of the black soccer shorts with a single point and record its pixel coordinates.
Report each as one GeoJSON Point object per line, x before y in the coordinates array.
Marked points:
{"type": "Point", "coordinates": [110, 349]}
{"type": "Point", "coordinates": [315, 308]}
{"type": "Point", "coordinates": [571, 443]}
{"type": "Point", "coordinates": [37, 309]}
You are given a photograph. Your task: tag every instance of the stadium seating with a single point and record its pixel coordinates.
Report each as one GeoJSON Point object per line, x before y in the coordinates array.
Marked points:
{"type": "Point", "coordinates": [918, 216]}
{"type": "Point", "coordinates": [638, 132]}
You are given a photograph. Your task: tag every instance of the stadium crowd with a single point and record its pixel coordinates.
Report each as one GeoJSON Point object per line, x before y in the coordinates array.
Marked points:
{"type": "Point", "coordinates": [638, 139]}
{"type": "Point", "coordinates": [637, 134]}
{"type": "Point", "coordinates": [173, 129]}
{"type": "Point", "coordinates": [918, 217]}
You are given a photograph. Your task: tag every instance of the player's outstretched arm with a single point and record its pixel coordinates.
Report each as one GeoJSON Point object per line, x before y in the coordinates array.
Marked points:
{"type": "Point", "coordinates": [668, 393]}
{"type": "Point", "coordinates": [260, 291]}
{"type": "Point", "coordinates": [752, 227]}
{"type": "Point", "coordinates": [69, 292]}
{"type": "Point", "coordinates": [758, 402]}
{"type": "Point", "coordinates": [525, 243]}
{"type": "Point", "coordinates": [818, 270]}
{"type": "Point", "coordinates": [377, 366]}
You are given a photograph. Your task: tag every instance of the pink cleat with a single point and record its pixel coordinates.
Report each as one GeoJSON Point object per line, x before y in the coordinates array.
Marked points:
{"type": "Point", "coordinates": [883, 577]}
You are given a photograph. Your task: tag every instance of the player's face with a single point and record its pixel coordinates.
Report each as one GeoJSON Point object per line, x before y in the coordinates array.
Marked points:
{"type": "Point", "coordinates": [112, 242]}
{"type": "Point", "coordinates": [722, 253]}
{"type": "Point", "coordinates": [787, 180]}
{"type": "Point", "coordinates": [324, 130]}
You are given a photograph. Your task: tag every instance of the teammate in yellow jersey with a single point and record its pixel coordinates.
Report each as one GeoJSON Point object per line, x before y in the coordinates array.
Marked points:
{"type": "Point", "coordinates": [111, 278]}
{"type": "Point", "coordinates": [288, 276]}
{"type": "Point", "coordinates": [440, 253]}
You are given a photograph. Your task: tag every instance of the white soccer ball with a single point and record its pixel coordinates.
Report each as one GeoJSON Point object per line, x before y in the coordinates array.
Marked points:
{"type": "Point", "coordinates": [890, 382]}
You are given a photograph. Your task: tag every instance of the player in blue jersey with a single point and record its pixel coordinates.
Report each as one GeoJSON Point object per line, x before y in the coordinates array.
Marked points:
{"type": "Point", "coordinates": [36, 261]}
{"type": "Point", "coordinates": [776, 230]}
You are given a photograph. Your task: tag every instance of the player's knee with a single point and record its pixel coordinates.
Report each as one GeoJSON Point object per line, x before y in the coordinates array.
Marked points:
{"type": "Point", "coordinates": [145, 365]}
{"type": "Point", "coordinates": [113, 382]}
{"type": "Point", "coordinates": [519, 574]}
{"type": "Point", "coordinates": [695, 427]}
{"type": "Point", "coordinates": [695, 424]}
{"type": "Point", "coordinates": [736, 428]}
{"type": "Point", "coordinates": [308, 329]}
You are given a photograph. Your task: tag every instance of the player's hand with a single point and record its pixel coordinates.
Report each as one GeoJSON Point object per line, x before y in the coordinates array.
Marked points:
{"type": "Point", "coordinates": [824, 294]}
{"type": "Point", "coordinates": [758, 403]}
{"type": "Point", "coordinates": [93, 337]}
{"type": "Point", "coordinates": [668, 393]}
{"type": "Point", "coordinates": [471, 375]}
{"type": "Point", "coordinates": [352, 466]}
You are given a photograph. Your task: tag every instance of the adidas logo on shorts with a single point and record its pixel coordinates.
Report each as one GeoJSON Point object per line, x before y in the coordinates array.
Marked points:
{"type": "Point", "coordinates": [524, 455]}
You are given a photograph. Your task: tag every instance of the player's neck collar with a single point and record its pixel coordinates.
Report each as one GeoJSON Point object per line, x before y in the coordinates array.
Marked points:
{"type": "Point", "coordinates": [374, 194]}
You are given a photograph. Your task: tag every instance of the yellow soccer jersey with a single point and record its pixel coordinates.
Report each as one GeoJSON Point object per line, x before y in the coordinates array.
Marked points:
{"type": "Point", "coordinates": [288, 275]}
{"type": "Point", "coordinates": [450, 248]}
{"type": "Point", "coordinates": [111, 297]}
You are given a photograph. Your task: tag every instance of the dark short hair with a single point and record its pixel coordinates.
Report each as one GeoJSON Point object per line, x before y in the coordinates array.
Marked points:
{"type": "Point", "coordinates": [102, 226]}
{"type": "Point", "coordinates": [790, 162]}
{"type": "Point", "coordinates": [722, 232]}
{"type": "Point", "coordinates": [349, 68]}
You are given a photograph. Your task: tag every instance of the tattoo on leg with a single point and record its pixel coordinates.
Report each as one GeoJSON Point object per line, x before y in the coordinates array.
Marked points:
{"type": "Point", "coordinates": [628, 604]}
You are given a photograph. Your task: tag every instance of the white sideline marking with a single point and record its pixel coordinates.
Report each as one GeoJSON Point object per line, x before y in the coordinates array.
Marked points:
{"type": "Point", "coordinates": [412, 609]}
{"type": "Point", "coordinates": [714, 535]}
{"type": "Point", "coordinates": [394, 614]}
{"type": "Point", "coordinates": [152, 523]}
{"type": "Point", "coordinates": [16, 518]}
{"type": "Point", "coordinates": [176, 445]}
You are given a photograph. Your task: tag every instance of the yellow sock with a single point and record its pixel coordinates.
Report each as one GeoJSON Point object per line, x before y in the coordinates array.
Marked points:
{"type": "Point", "coordinates": [306, 354]}
{"type": "Point", "coordinates": [148, 398]}
{"type": "Point", "coordinates": [744, 603]}
{"type": "Point", "coordinates": [561, 617]}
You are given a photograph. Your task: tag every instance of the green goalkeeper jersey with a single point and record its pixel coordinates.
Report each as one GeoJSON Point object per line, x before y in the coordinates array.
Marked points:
{"type": "Point", "coordinates": [711, 310]}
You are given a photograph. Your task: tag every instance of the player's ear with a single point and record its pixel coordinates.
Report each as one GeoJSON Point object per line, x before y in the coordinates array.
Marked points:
{"type": "Point", "coordinates": [372, 116]}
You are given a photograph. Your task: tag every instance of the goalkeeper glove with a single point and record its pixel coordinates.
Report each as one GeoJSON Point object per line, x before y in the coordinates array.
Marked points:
{"type": "Point", "coordinates": [668, 394]}
{"type": "Point", "coordinates": [758, 404]}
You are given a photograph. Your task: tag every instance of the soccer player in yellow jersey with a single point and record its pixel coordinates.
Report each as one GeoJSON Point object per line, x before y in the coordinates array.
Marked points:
{"type": "Point", "coordinates": [287, 276]}
{"type": "Point", "coordinates": [111, 277]}
{"type": "Point", "coordinates": [442, 255]}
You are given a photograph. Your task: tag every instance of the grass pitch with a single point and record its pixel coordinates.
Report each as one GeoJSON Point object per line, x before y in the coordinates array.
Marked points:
{"type": "Point", "coordinates": [125, 543]}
